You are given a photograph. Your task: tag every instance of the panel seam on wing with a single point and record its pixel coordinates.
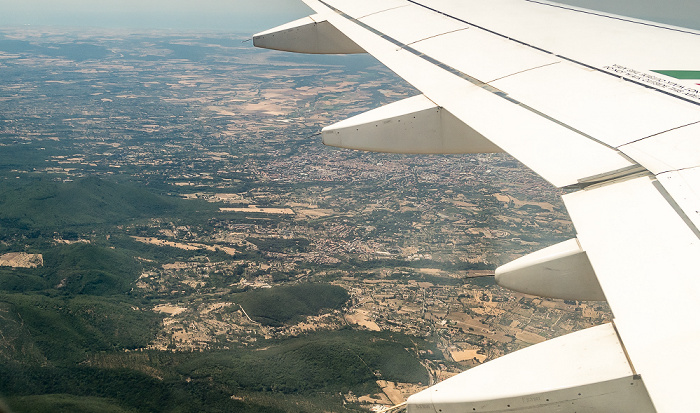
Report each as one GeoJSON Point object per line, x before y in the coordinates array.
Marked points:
{"type": "Point", "coordinates": [624, 349]}
{"type": "Point", "coordinates": [658, 133]}
{"type": "Point", "coordinates": [545, 51]}
{"type": "Point", "coordinates": [479, 83]}
{"type": "Point", "coordinates": [381, 11]}
{"type": "Point", "coordinates": [676, 207]}
{"type": "Point", "coordinates": [480, 27]}
{"type": "Point", "coordinates": [437, 35]}
{"type": "Point", "coordinates": [523, 71]}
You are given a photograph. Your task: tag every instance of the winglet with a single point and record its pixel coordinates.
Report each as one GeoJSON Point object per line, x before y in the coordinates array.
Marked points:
{"type": "Point", "coordinates": [413, 125]}
{"type": "Point", "coordinates": [312, 34]}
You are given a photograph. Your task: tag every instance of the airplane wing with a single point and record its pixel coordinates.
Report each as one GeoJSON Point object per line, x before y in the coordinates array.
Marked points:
{"type": "Point", "coordinates": [605, 107]}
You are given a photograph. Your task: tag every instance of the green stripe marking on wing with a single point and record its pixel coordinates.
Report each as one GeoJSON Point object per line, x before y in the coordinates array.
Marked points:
{"type": "Point", "coordinates": [680, 74]}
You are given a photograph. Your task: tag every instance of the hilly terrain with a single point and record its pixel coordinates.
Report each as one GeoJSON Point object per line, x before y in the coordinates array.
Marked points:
{"type": "Point", "coordinates": [75, 334]}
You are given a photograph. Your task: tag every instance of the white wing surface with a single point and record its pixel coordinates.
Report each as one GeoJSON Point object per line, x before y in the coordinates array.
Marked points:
{"type": "Point", "coordinates": [608, 108]}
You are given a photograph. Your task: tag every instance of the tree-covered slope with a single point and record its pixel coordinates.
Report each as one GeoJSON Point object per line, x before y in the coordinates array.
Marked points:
{"type": "Point", "coordinates": [289, 303]}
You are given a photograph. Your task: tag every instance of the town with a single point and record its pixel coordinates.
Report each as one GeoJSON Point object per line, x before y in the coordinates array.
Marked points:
{"type": "Point", "coordinates": [206, 120]}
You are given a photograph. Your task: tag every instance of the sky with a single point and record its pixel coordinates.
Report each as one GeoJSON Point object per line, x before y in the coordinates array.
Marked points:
{"type": "Point", "coordinates": [684, 13]}
{"type": "Point", "coordinates": [244, 16]}
{"type": "Point", "coordinates": [250, 16]}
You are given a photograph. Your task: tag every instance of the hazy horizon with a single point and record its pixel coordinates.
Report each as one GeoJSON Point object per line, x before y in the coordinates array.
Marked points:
{"type": "Point", "coordinates": [246, 17]}
{"type": "Point", "coordinates": [232, 15]}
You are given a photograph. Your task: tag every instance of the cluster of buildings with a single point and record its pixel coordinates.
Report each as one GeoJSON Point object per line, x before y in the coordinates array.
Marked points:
{"type": "Point", "coordinates": [403, 234]}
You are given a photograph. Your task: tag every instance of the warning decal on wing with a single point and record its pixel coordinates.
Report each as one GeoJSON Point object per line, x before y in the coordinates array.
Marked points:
{"type": "Point", "coordinates": [661, 83]}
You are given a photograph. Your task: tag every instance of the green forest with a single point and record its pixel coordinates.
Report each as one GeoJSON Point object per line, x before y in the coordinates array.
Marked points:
{"type": "Point", "coordinates": [41, 206]}
{"type": "Point", "coordinates": [289, 303]}
{"type": "Point", "coordinates": [74, 330]}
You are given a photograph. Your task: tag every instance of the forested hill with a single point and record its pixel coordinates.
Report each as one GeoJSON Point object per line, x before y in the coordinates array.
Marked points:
{"type": "Point", "coordinates": [283, 304]}
{"type": "Point", "coordinates": [40, 204]}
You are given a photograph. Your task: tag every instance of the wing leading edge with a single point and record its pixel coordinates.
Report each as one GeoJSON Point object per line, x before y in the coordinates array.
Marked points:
{"type": "Point", "coordinates": [604, 106]}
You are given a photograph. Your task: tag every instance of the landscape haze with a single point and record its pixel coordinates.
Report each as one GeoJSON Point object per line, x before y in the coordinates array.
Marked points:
{"type": "Point", "coordinates": [175, 237]}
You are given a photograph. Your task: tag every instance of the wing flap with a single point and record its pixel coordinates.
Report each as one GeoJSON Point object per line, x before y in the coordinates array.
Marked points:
{"type": "Point", "coordinates": [645, 257]}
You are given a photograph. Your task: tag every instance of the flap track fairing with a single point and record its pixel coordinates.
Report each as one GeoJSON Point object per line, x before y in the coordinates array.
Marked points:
{"type": "Point", "coordinates": [560, 271]}
{"type": "Point", "coordinates": [413, 125]}
{"type": "Point", "coordinates": [312, 35]}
